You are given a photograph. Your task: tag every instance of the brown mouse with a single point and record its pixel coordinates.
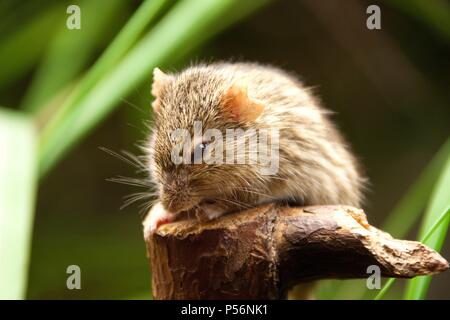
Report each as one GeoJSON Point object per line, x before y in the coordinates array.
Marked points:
{"type": "Point", "coordinates": [313, 163]}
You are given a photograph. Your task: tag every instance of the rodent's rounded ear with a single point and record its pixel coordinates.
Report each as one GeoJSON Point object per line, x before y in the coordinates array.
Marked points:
{"type": "Point", "coordinates": [160, 79]}
{"type": "Point", "coordinates": [240, 105]}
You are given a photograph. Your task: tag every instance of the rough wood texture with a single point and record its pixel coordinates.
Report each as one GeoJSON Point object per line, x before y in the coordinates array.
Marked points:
{"type": "Point", "coordinates": [263, 252]}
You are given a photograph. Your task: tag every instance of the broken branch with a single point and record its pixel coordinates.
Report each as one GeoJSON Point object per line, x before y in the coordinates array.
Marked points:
{"type": "Point", "coordinates": [261, 253]}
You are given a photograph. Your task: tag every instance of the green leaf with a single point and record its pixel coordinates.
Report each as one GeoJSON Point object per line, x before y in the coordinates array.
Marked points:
{"type": "Point", "coordinates": [433, 14]}
{"type": "Point", "coordinates": [21, 50]}
{"type": "Point", "coordinates": [407, 212]}
{"type": "Point", "coordinates": [412, 203]}
{"type": "Point", "coordinates": [71, 50]}
{"type": "Point", "coordinates": [18, 172]}
{"type": "Point", "coordinates": [440, 200]}
{"type": "Point", "coordinates": [445, 215]}
{"type": "Point", "coordinates": [385, 289]}
{"type": "Point", "coordinates": [187, 25]}
{"type": "Point", "coordinates": [402, 218]}
{"type": "Point", "coordinates": [120, 45]}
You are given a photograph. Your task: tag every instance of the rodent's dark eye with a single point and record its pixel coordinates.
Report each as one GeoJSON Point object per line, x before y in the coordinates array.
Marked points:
{"type": "Point", "coordinates": [197, 153]}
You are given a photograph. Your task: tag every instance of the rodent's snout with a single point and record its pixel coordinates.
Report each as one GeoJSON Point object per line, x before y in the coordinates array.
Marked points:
{"type": "Point", "coordinates": [175, 196]}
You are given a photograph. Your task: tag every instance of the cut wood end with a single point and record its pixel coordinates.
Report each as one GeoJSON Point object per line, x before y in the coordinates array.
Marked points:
{"type": "Point", "coordinates": [192, 226]}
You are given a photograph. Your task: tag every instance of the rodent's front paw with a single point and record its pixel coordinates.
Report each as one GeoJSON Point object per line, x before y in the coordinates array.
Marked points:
{"type": "Point", "coordinates": [156, 217]}
{"type": "Point", "coordinates": [210, 210]}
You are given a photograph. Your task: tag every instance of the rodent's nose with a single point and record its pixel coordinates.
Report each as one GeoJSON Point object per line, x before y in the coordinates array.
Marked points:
{"type": "Point", "coordinates": [176, 203]}
{"type": "Point", "coordinates": [175, 193]}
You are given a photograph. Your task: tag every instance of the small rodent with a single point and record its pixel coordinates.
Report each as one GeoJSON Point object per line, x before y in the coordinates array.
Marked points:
{"type": "Point", "coordinates": [315, 164]}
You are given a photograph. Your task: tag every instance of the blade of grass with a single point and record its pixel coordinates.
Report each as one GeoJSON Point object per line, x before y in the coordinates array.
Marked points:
{"type": "Point", "coordinates": [434, 14]}
{"type": "Point", "coordinates": [417, 288]}
{"type": "Point", "coordinates": [385, 289]}
{"type": "Point", "coordinates": [403, 217]}
{"type": "Point", "coordinates": [181, 30]}
{"type": "Point", "coordinates": [18, 177]}
{"type": "Point", "coordinates": [145, 15]}
{"type": "Point", "coordinates": [71, 50]}
{"type": "Point", "coordinates": [436, 225]}
{"type": "Point", "coordinates": [406, 213]}
{"type": "Point", "coordinates": [445, 215]}
{"type": "Point", "coordinates": [20, 51]}
{"type": "Point", "coordinates": [134, 27]}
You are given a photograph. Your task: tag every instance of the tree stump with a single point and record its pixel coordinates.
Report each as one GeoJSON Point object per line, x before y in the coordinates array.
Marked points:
{"type": "Point", "coordinates": [261, 253]}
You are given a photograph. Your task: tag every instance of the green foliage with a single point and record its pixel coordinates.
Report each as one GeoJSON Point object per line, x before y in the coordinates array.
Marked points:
{"type": "Point", "coordinates": [23, 48]}
{"type": "Point", "coordinates": [407, 212]}
{"type": "Point", "coordinates": [433, 14]}
{"type": "Point", "coordinates": [434, 227]}
{"type": "Point", "coordinates": [18, 172]}
{"type": "Point", "coordinates": [440, 200]}
{"type": "Point", "coordinates": [432, 187]}
{"type": "Point", "coordinates": [435, 180]}
{"type": "Point", "coordinates": [69, 52]}
{"type": "Point", "coordinates": [420, 291]}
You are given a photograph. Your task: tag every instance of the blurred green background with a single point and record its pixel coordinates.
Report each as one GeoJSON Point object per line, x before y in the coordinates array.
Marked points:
{"type": "Point", "coordinates": [389, 89]}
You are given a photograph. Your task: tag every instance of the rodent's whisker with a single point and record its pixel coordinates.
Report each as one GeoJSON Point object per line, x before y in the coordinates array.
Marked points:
{"type": "Point", "coordinates": [145, 207]}
{"type": "Point", "coordinates": [134, 106]}
{"type": "Point", "coordinates": [132, 198]}
{"type": "Point", "coordinates": [125, 157]}
{"type": "Point", "coordinates": [135, 159]}
{"type": "Point", "coordinates": [145, 183]}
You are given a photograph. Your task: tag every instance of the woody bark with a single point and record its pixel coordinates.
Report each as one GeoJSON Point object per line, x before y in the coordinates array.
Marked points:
{"type": "Point", "coordinates": [263, 252]}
